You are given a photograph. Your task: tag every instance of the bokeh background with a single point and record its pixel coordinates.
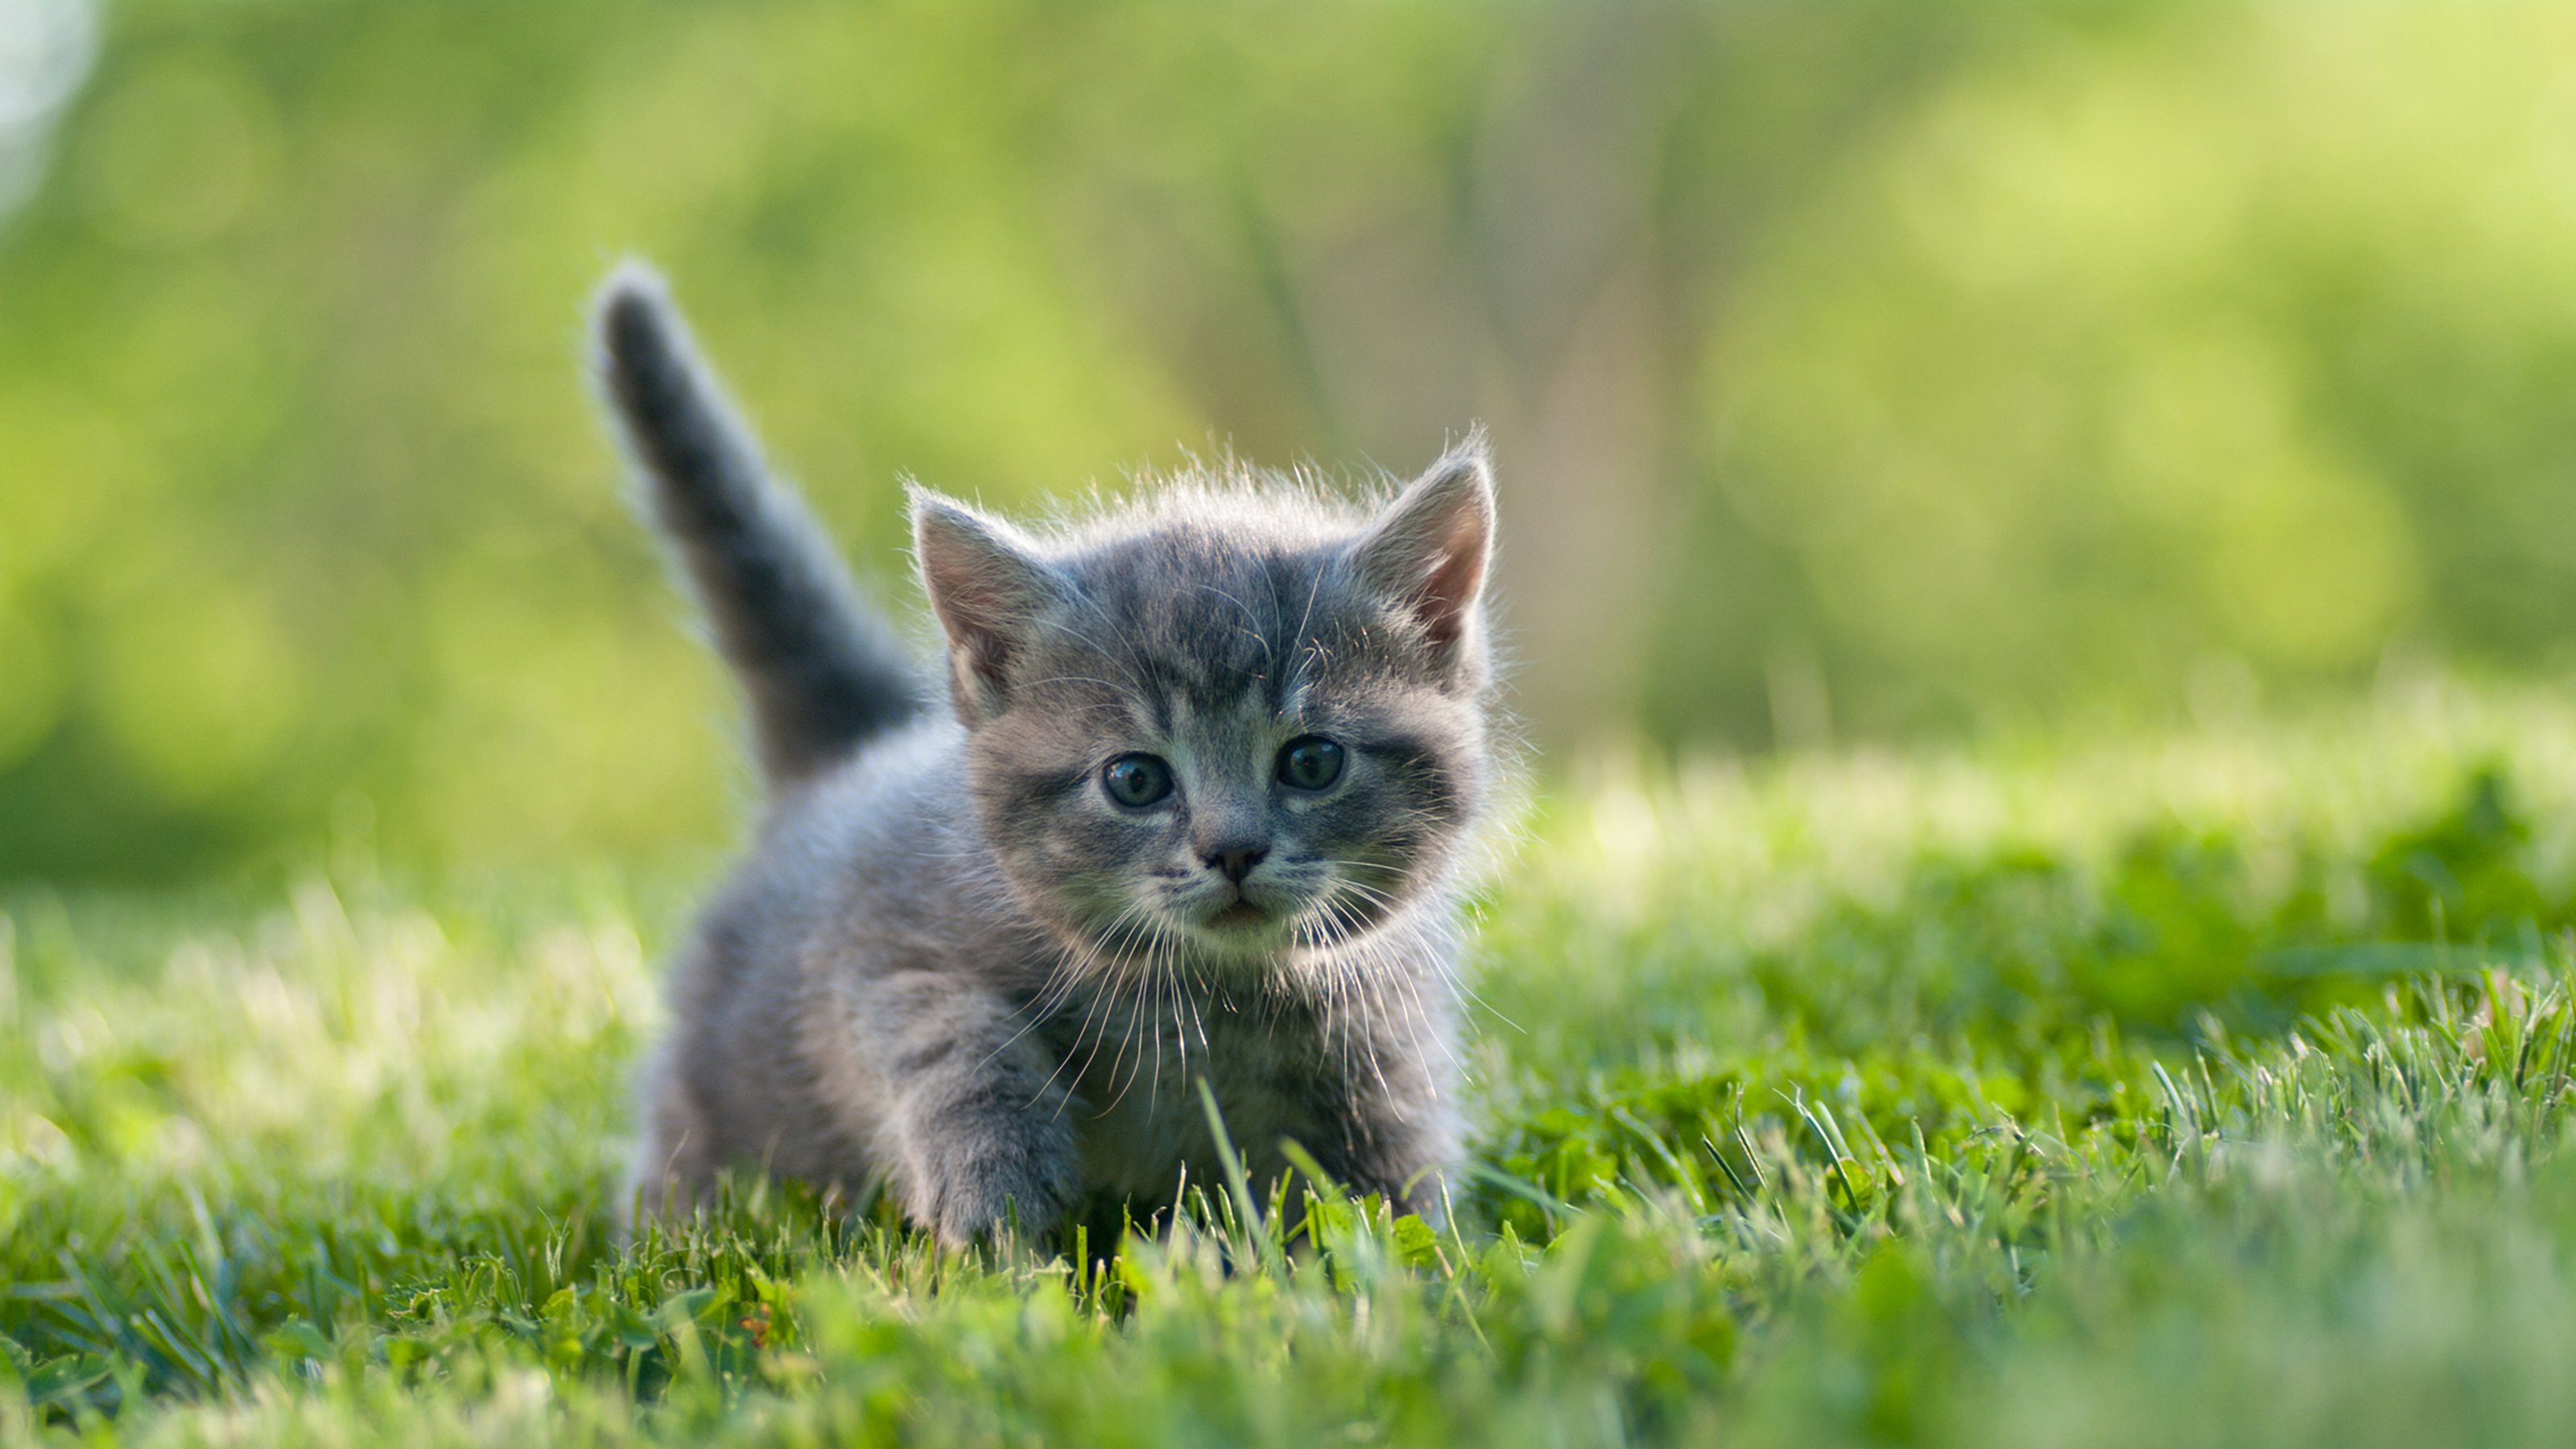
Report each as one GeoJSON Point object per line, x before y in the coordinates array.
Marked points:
{"type": "Point", "coordinates": [1858, 371]}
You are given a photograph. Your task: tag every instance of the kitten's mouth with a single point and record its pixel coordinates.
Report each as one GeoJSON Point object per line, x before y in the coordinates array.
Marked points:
{"type": "Point", "coordinates": [1239, 916]}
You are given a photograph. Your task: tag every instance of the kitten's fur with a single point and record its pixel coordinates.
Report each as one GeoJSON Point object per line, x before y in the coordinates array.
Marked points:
{"type": "Point", "coordinates": [953, 963]}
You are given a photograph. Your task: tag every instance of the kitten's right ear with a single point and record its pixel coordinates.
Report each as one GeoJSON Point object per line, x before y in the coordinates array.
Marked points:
{"type": "Point", "coordinates": [989, 590]}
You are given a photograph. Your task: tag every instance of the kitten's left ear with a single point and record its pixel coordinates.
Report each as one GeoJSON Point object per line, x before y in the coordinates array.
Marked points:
{"type": "Point", "coordinates": [1429, 550]}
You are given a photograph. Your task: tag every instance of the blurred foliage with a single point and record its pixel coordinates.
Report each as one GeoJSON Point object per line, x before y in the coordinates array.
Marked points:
{"type": "Point", "coordinates": [1856, 370]}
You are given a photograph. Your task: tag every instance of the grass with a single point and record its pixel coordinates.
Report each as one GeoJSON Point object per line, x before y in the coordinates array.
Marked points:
{"type": "Point", "coordinates": [2209, 1089]}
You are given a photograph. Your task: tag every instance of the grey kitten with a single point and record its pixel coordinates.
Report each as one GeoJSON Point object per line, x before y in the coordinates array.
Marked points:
{"type": "Point", "coordinates": [1190, 808]}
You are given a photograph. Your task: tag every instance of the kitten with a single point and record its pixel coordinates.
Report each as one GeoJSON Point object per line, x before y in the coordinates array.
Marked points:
{"type": "Point", "coordinates": [1190, 807]}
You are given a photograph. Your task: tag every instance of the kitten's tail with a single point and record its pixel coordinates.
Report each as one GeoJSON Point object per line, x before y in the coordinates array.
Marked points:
{"type": "Point", "coordinates": [822, 670]}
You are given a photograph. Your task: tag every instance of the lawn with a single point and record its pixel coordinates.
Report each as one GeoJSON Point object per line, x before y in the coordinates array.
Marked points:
{"type": "Point", "coordinates": [2201, 1088]}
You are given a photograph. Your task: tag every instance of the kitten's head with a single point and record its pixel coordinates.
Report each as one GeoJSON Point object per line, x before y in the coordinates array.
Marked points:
{"type": "Point", "coordinates": [1231, 722]}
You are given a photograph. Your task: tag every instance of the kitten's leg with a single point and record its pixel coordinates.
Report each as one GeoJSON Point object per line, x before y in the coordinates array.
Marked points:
{"type": "Point", "coordinates": [981, 1137]}
{"type": "Point", "coordinates": [1394, 1124]}
{"type": "Point", "coordinates": [672, 1167]}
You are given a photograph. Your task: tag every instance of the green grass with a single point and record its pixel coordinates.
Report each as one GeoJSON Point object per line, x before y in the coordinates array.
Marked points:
{"type": "Point", "coordinates": [2209, 1089]}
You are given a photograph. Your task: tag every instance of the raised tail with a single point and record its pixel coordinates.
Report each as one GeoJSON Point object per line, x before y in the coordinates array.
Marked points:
{"type": "Point", "coordinates": [821, 669]}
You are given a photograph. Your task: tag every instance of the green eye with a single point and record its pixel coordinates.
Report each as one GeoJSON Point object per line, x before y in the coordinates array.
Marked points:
{"type": "Point", "coordinates": [1136, 781]}
{"type": "Point", "coordinates": [1310, 763]}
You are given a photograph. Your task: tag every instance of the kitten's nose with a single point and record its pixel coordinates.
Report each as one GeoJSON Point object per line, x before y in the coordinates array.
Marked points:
{"type": "Point", "coordinates": [1236, 861]}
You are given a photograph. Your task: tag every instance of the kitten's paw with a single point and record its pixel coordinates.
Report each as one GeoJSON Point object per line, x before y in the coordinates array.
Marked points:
{"type": "Point", "coordinates": [991, 1190]}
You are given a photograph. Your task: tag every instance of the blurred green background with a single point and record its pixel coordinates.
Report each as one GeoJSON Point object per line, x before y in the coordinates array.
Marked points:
{"type": "Point", "coordinates": [1858, 371]}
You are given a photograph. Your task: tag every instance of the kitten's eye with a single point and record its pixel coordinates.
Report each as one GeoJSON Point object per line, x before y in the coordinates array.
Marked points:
{"type": "Point", "coordinates": [1136, 781]}
{"type": "Point", "coordinates": [1310, 763]}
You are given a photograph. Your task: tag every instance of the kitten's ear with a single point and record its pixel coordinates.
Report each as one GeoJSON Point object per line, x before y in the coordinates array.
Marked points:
{"type": "Point", "coordinates": [988, 589]}
{"type": "Point", "coordinates": [1428, 551]}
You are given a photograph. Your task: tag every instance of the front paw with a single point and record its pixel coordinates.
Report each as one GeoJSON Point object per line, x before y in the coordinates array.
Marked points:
{"type": "Point", "coordinates": [987, 1190]}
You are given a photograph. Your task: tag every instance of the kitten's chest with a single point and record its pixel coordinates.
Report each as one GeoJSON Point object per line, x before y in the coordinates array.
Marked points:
{"type": "Point", "coordinates": [1138, 1114]}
